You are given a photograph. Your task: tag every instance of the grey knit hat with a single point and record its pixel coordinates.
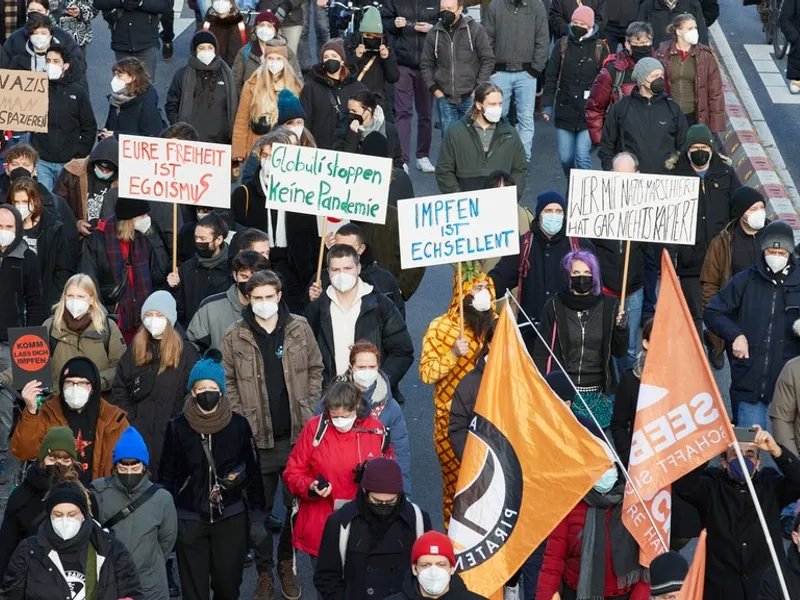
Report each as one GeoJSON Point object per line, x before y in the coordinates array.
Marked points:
{"type": "Point", "coordinates": [778, 234]}
{"type": "Point", "coordinates": [644, 67]}
{"type": "Point", "coordinates": [162, 302]}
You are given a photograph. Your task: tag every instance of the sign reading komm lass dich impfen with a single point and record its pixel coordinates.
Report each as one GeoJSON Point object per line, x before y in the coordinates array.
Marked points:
{"type": "Point", "coordinates": [326, 182]}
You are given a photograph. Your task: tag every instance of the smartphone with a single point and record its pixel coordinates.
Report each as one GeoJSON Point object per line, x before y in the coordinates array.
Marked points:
{"type": "Point", "coordinates": [745, 435]}
{"type": "Point", "coordinates": [322, 483]}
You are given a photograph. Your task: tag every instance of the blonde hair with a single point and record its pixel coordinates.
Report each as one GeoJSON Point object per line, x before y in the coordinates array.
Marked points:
{"type": "Point", "coordinates": [171, 348]}
{"type": "Point", "coordinates": [125, 230]}
{"type": "Point", "coordinates": [96, 309]}
{"type": "Point", "coordinates": [265, 92]}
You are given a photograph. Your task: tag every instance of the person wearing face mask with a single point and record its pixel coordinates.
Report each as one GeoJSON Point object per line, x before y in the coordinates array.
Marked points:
{"type": "Point", "coordinates": [770, 588]}
{"type": "Point", "coordinates": [480, 143]}
{"type": "Point", "coordinates": [385, 523]}
{"type": "Point", "coordinates": [661, 13]}
{"type": "Point", "coordinates": [692, 74]}
{"type": "Point", "coordinates": [448, 354]}
{"type": "Point", "coordinates": [39, 37]}
{"type": "Point", "coordinates": [133, 102]}
{"type": "Point", "coordinates": [71, 555]}
{"type": "Point", "coordinates": [203, 93]}
{"type": "Point", "coordinates": [583, 328]}
{"type": "Point", "coordinates": [326, 464]}
{"type": "Point", "coordinates": [278, 403]}
{"type": "Point", "coordinates": [151, 376]}
{"type": "Point", "coordinates": [560, 16]}
{"type": "Point", "coordinates": [95, 423]}
{"type": "Point", "coordinates": [615, 79]}
{"type": "Point", "coordinates": [187, 248]}
{"type": "Point", "coordinates": [266, 27]}
{"type": "Point", "coordinates": [571, 70]}
{"type": "Point", "coordinates": [327, 89]}
{"type": "Point", "coordinates": [365, 116]}
{"type": "Point", "coordinates": [351, 309]}
{"type": "Point", "coordinates": [737, 556]}
{"type": "Point", "coordinates": [126, 257]}
{"type": "Point", "coordinates": [227, 23]}
{"type": "Point", "coordinates": [150, 530]}
{"type": "Point", "coordinates": [648, 123]}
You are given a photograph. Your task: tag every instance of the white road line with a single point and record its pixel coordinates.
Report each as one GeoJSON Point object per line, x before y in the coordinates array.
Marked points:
{"type": "Point", "coordinates": [181, 24]}
{"type": "Point", "coordinates": [770, 74]}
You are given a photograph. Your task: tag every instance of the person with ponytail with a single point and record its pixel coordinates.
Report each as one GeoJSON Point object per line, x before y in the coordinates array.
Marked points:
{"type": "Point", "coordinates": [365, 115]}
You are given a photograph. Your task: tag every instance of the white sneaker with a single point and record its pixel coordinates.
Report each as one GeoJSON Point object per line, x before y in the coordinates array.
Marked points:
{"type": "Point", "coordinates": [794, 86]}
{"type": "Point", "coordinates": [511, 593]}
{"type": "Point", "coordinates": [405, 167]}
{"type": "Point", "coordinates": [425, 165]}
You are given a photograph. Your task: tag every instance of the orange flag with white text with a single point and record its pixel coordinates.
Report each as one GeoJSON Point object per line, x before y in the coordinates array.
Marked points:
{"type": "Point", "coordinates": [680, 422]}
{"type": "Point", "coordinates": [693, 585]}
{"type": "Point", "coordinates": [526, 464]}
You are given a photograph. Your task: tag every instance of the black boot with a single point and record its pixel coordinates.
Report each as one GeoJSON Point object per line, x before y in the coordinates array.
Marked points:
{"type": "Point", "coordinates": [172, 580]}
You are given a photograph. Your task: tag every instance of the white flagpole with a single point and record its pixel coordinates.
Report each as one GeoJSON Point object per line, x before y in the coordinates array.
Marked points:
{"type": "Point", "coordinates": [762, 520]}
{"type": "Point", "coordinates": [617, 459]}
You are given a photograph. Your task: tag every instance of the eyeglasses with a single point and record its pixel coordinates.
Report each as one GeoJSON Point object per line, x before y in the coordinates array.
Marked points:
{"type": "Point", "coordinates": [84, 385]}
{"type": "Point", "coordinates": [384, 502]}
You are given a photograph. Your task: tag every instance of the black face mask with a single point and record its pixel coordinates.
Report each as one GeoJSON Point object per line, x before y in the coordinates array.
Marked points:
{"type": "Point", "coordinates": [448, 18]}
{"type": "Point", "coordinates": [332, 65]}
{"type": "Point", "coordinates": [130, 480]}
{"type": "Point", "coordinates": [639, 52]}
{"type": "Point", "coordinates": [204, 250]}
{"type": "Point", "coordinates": [372, 44]}
{"type": "Point", "coordinates": [208, 400]}
{"type": "Point", "coordinates": [657, 86]}
{"type": "Point", "coordinates": [579, 32]}
{"type": "Point", "coordinates": [242, 286]}
{"type": "Point", "coordinates": [699, 158]}
{"type": "Point", "coordinates": [581, 284]}
{"type": "Point", "coordinates": [355, 117]}
{"type": "Point", "coordinates": [381, 510]}
{"type": "Point", "coordinates": [19, 172]}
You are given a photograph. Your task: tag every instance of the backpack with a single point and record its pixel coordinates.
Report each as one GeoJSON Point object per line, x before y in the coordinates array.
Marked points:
{"type": "Point", "coordinates": [106, 337]}
{"type": "Point", "coordinates": [616, 88]}
{"type": "Point", "coordinates": [525, 261]}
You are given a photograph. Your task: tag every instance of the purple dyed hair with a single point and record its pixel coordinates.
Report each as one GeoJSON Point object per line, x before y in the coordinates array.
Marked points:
{"type": "Point", "coordinates": [590, 259]}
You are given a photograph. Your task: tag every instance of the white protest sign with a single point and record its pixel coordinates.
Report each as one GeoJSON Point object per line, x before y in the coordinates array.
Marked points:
{"type": "Point", "coordinates": [437, 230]}
{"type": "Point", "coordinates": [326, 182]}
{"type": "Point", "coordinates": [175, 171]}
{"type": "Point", "coordinates": [632, 206]}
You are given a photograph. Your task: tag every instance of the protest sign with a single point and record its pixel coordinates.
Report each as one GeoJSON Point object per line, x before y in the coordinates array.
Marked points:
{"type": "Point", "coordinates": [175, 171]}
{"type": "Point", "coordinates": [326, 182]}
{"type": "Point", "coordinates": [30, 355]}
{"type": "Point", "coordinates": [24, 100]}
{"type": "Point", "coordinates": [632, 206]}
{"type": "Point", "coordinates": [449, 228]}
{"type": "Point", "coordinates": [329, 225]}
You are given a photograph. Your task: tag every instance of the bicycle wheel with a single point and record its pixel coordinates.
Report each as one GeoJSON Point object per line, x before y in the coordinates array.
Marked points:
{"type": "Point", "coordinates": [770, 20]}
{"type": "Point", "coordinates": [779, 41]}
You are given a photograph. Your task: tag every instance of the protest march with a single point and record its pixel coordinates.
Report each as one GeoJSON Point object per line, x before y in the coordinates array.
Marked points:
{"type": "Point", "coordinates": [270, 328]}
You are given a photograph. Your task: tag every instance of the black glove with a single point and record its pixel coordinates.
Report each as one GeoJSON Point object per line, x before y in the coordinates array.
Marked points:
{"type": "Point", "coordinates": [284, 8]}
{"type": "Point", "coordinates": [623, 321]}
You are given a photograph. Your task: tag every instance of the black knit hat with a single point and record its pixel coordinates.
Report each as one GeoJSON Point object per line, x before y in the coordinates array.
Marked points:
{"type": "Point", "coordinates": [129, 208]}
{"type": "Point", "coordinates": [667, 573]}
{"type": "Point", "coordinates": [743, 198]}
{"type": "Point", "coordinates": [67, 492]}
{"type": "Point", "coordinates": [204, 37]}
{"type": "Point", "coordinates": [80, 366]}
{"type": "Point", "coordinates": [778, 234]}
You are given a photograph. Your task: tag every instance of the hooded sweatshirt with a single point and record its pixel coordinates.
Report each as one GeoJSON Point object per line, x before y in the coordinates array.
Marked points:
{"type": "Point", "coordinates": [82, 190]}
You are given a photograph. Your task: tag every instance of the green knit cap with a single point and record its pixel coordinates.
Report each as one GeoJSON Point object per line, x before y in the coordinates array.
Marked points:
{"type": "Point", "coordinates": [371, 21]}
{"type": "Point", "coordinates": [58, 438]}
{"type": "Point", "coordinates": [699, 134]}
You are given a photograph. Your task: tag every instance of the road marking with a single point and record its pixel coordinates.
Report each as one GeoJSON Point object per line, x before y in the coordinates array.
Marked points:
{"type": "Point", "coordinates": [771, 74]}
{"type": "Point", "coordinates": [181, 24]}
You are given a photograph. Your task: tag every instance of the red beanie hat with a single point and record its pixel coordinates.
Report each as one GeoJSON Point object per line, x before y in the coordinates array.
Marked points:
{"type": "Point", "coordinates": [435, 544]}
{"type": "Point", "coordinates": [269, 17]}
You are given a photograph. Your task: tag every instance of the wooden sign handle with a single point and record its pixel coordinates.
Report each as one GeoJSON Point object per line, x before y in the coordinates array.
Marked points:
{"type": "Point", "coordinates": [318, 280]}
{"type": "Point", "coordinates": [625, 277]}
{"type": "Point", "coordinates": [460, 302]}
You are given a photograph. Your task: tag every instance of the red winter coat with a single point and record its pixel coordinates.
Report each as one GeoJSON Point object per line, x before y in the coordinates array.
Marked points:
{"type": "Point", "coordinates": [335, 458]}
{"type": "Point", "coordinates": [562, 559]}
{"type": "Point", "coordinates": [599, 100]}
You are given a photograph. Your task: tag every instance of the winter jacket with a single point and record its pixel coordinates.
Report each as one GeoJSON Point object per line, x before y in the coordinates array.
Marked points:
{"type": "Point", "coordinates": [245, 376]}
{"type": "Point", "coordinates": [463, 165]}
{"type": "Point", "coordinates": [50, 201]}
{"type": "Point", "coordinates": [462, 408]}
{"type": "Point", "coordinates": [335, 457]}
{"type": "Point", "coordinates": [611, 256]}
{"type": "Point", "coordinates": [560, 15]}
{"type": "Point", "coordinates": [21, 302]}
{"type": "Point", "coordinates": [77, 177]}
{"type": "Point", "coordinates": [250, 58]}
{"type": "Point", "coordinates": [378, 278]}
{"type": "Point", "coordinates": [137, 116]}
{"type": "Point", "coordinates": [35, 571]}
{"type": "Point", "coordinates": [790, 567]}
{"type": "Point", "coordinates": [25, 511]}
{"type": "Point", "coordinates": [149, 533]}
{"type": "Point", "coordinates": [519, 35]}
{"type": "Point", "coordinates": [789, 21]}
{"type": "Point", "coordinates": [379, 322]}
{"type": "Point", "coordinates": [456, 61]}
{"type": "Point", "coordinates": [660, 16]}
{"type": "Point", "coordinates": [752, 305]}
{"type": "Point", "coordinates": [199, 281]}
{"type": "Point", "coordinates": [375, 564]}
{"type": "Point", "coordinates": [408, 43]}
{"type": "Point", "coordinates": [324, 101]}
{"type": "Point", "coordinates": [605, 91]}
{"type": "Point", "coordinates": [347, 140]}
{"type": "Point", "coordinates": [736, 554]}
{"type": "Point", "coordinates": [783, 410]}
{"type": "Point", "coordinates": [231, 31]}
{"type": "Point", "coordinates": [72, 127]}
{"type": "Point", "coordinates": [382, 72]}
{"type": "Point", "coordinates": [710, 99]}
{"type": "Point", "coordinates": [243, 137]}
{"type": "Point", "coordinates": [293, 8]}
{"type": "Point", "coordinates": [15, 47]}
{"type": "Point", "coordinates": [573, 66]}
{"type": "Point", "coordinates": [653, 129]}
{"type": "Point", "coordinates": [186, 474]}
{"type": "Point", "coordinates": [458, 590]}
{"type": "Point", "coordinates": [713, 211]}
{"type": "Point", "coordinates": [625, 402]}
{"type": "Point", "coordinates": [213, 318]}
{"type": "Point", "coordinates": [133, 30]}
{"type": "Point", "coordinates": [151, 398]}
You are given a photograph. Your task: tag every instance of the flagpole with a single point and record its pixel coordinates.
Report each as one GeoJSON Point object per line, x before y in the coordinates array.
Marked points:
{"type": "Point", "coordinates": [603, 433]}
{"type": "Point", "coordinates": [762, 520]}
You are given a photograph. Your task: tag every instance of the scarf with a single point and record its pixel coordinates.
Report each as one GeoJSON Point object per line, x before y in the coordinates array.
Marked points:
{"type": "Point", "coordinates": [77, 325]}
{"type": "Point", "coordinates": [378, 526]}
{"type": "Point", "coordinates": [206, 75]}
{"type": "Point", "coordinates": [624, 551]}
{"type": "Point", "coordinates": [214, 261]}
{"type": "Point", "coordinates": [276, 238]}
{"type": "Point", "coordinates": [10, 17]}
{"type": "Point", "coordinates": [117, 99]}
{"type": "Point", "coordinates": [139, 255]}
{"type": "Point", "coordinates": [378, 123]}
{"type": "Point", "coordinates": [207, 424]}
{"type": "Point", "coordinates": [74, 547]}
{"type": "Point", "coordinates": [578, 303]}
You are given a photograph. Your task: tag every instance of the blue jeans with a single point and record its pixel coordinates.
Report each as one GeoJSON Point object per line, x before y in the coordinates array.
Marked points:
{"type": "Point", "coordinates": [47, 173]}
{"type": "Point", "coordinates": [633, 308]}
{"type": "Point", "coordinates": [523, 87]}
{"type": "Point", "coordinates": [574, 150]}
{"type": "Point", "coordinates": [752, 414]}
{"type": "Point", "coordinates": [449, 113]}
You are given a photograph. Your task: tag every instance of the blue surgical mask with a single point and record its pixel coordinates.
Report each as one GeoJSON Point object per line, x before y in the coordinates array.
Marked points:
{"type": "Point", "coordinates": [552, 223]}
{"type": "Point", "coordinates": [607, 481]}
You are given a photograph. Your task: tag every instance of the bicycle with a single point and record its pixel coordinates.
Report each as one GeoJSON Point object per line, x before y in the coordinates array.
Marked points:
{"type": "Point", "coordinates": [342, 17]}
{"type": "Point", "coordinates": [770, 14]}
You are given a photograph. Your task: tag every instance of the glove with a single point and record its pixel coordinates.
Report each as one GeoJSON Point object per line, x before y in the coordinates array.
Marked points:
{"type": "Point", "coordinates": [284, 8]}
{"type": "Point", "coordinates": [623, 321]}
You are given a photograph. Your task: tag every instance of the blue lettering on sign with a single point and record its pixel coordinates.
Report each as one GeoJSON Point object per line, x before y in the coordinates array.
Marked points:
{"type": "Point", "coordinates": [462, 246]}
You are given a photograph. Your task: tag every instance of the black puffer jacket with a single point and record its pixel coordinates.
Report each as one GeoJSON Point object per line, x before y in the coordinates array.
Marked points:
{"type": "Point", "coordinates": [137, 116]}
{"type": "Point", "coordinates": [458, 590]}
{"type": "Point", "coordinates": [408, 43]}
{"type": "Point", "coordinates": [133, 30]}
{"type": "Point", "coordinates": [375, 564]}
{"type": "Point", "coordinates": [25, 511]}
{"type": "Point", "coordinates": [201, 278]}
{"type": "Point", "coordinates": [56, 253]}
{"type": "Point", "coordinates": [660, 16]}
{"type": "Point", "coordinates": [324, 101]}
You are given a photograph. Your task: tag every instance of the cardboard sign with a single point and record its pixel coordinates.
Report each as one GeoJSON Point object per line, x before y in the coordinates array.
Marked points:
{"type": "Point", "coordinates": [333, 226]}
{"type": "Point", "coordinates": [632, 206]}
{"type": "Point", "coordinates": [326, 182]}
{"type": "Point", "coordinates": [24, 100]}
{"type": "Point", "coordinates": [175, 171]}
{"type": "Point", "coordinates": [30, 355]}
{"type": "Point", "coordinates": [438, 230]}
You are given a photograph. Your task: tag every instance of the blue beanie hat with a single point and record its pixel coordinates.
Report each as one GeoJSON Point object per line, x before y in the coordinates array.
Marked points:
{"type": "Point", "coordinates": [549, 197]}
{"type": "Point", "coordinates": [289, 107]}
{"type": "Point", "coordinates": [163, 302]}
{"type": "Point", "coordinates": [209, 367]}
{"type": "Point", "coordinates": [131, 446]}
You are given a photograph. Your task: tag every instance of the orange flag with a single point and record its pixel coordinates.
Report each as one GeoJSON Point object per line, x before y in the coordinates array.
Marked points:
{"type": "Point", "coordinates": [526, 464]}
{"type": "Point", "coordinates": [694, 583]}
{"type": "Point", "coordinates": [680, 423]}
